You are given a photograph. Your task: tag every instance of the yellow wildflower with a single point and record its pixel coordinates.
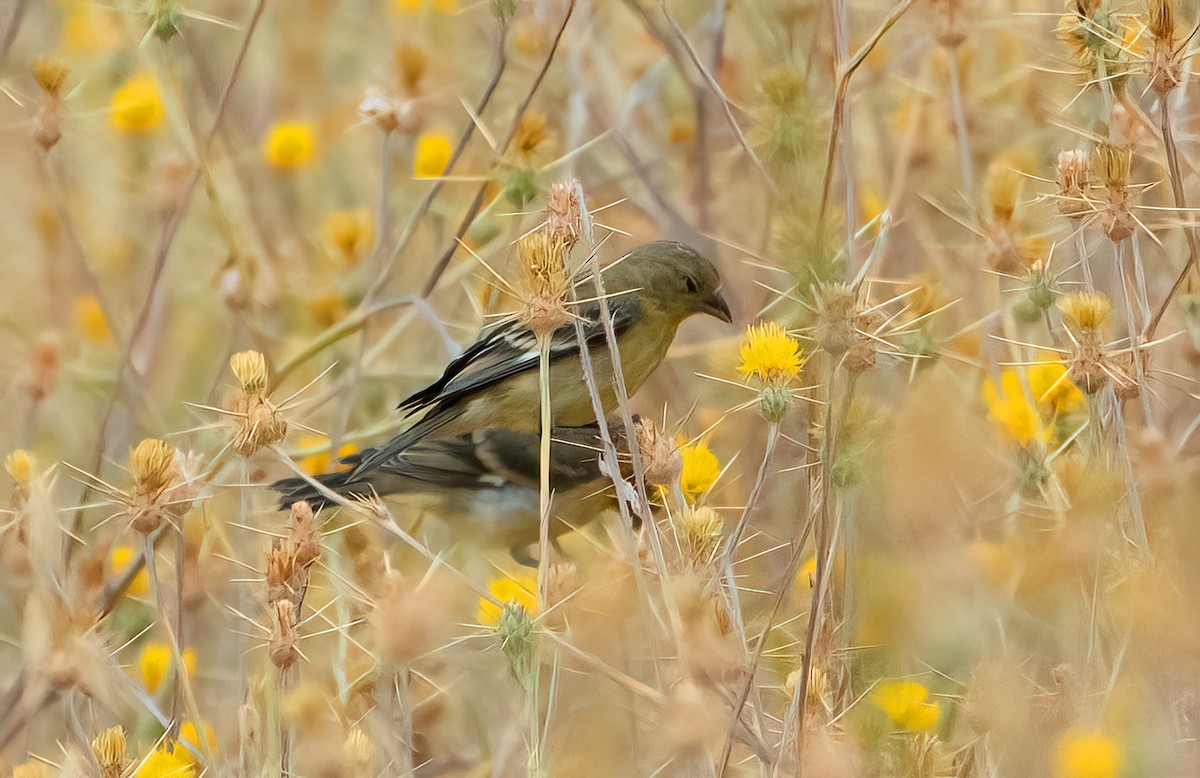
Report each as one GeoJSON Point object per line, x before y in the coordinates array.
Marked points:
{"type": "Point", "coordinates": [119, 560]}
{"type": "Point", "coordinates": [770, 354]}
{"type": "Point", "coordinates": [89, 319]}
{"type": "Point", "coordinates": [317, 463]}
{"type": "Point", "coordinates": [1052, 388]}
{"type": "Point", "coordinates": [90, 29]}
{"type": "Point", "coordinates": [136, 107]}
{"type": "Point", "coordinates": [1082, 754]}
{"type": "Point", "coordinates": [907, 704]}
{"type": "Point", "coordinates": [510, 590]}
{"type": "Point", "coordinates": [806, 576]}
{"type": "Point", "coordinates": [1012, 410]}
{"type": "Point", "coordinates": [155, 662]}
{"type": "Point", "coordinates": [348, 234]}
{"type": "Point", "coordinates": [432, 155]}
{"type": "Point", "coordinates": [412, 6]}
{"type": "Point", "coordinates": [190, 734]}
{"type": "Point", "coordinates": [700, 470]}
{"type": "Point", "coordinates": [289, 145]}
{"type": "Point", "coordinates": [164, 763]}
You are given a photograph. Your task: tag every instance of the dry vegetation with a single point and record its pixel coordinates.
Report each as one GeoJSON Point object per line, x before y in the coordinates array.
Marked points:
{"type": "Point", "coordinates": [933, 514]}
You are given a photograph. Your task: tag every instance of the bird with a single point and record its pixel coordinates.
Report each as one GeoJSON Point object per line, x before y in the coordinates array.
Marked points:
{"type": "Point", "coordinates": [495, 382]}
{"type": "Point", "coordinates": [486, 482]}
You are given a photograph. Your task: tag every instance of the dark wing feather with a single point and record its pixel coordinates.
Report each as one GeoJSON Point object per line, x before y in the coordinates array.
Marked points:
{"type": "Point", "coordinates": [512, 349]}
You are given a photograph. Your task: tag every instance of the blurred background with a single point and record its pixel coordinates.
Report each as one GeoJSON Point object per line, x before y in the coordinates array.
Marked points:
{"type": "Point", "coordinates": [963, 544]}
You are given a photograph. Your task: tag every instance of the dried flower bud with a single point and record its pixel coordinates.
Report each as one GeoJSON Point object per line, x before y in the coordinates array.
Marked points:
{"type": "Point", "coordinates": [660, 458]}
{"type": "Point", "coordinates": [47, 124]}
{"type": "Point", "coordinates": [259, 423]}
{"type": "Point", "coordinates": [567, 219]}
{"type": "Point", "coordinates": [411, 64]}
{"type": "Point", "coordinates": [281, 646]}
{"type": "Point", "coordinates": [250, 370]}
{"type": "Point", "coordinates": [152, 465]}
{"type": "Point", "coordinates": [50, 75]}
{"type": "Point", "coordinates": [699, 531]}
{"type": "Point", "coordinates": [389, 113]}
{"type": "Point", "coordinates": [109, 749]}
{"type": "Point", "coordinates": [546, 281]}
{"type": "Point", "coordinates": [1073, 183]}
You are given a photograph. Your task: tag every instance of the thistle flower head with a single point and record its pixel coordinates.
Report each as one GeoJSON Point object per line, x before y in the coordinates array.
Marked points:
{"type": "Point", "coordinates": [700, 470]}
{"type": "Point", "coordinates": [661, 460]}
{"type": "Point", "coordinates": [567, 219]}
{"type": "Point", "coordinates": [699, 531]}
{"type": "Point", "coordinates": [1085, 311]}
{"type": "Point", "coordinates": [1003, 185]}
{"type": "Point", "coordinates": [1112, 164]}
{"type": "Point", "coordinates": [546, 282]}
{"type": "Point", "coordinates": [389, 113]}
{"type": "Point", "coordinates": [770, 355]}
{"type": "Point", "coordinates": [1073, 182]}
{"type": "Point", "coordinates": [152, 467]}
{"type": "Point", "coordinates": [109, 749]}
{"type": "Point", "coordinates": [906, 704]}
{"type": "Point", "coordinates": [515, 591]}
{"type": "Point", "coordinates": [258, 422]}
{"type": "Point", "coordinates": [21, 468]}
{"type": "Point", "coordinates": [50, 75]}
{"type": "Point", "coordinates": [289, 145]}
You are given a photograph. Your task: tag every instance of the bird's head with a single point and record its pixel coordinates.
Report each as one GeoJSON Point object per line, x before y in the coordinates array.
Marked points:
{"type": "Point", "coordinates": [673, 278]}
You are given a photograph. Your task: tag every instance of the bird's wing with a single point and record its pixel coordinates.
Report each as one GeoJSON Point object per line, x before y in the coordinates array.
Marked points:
{"type": "Point", "coordinates": [511, 349]}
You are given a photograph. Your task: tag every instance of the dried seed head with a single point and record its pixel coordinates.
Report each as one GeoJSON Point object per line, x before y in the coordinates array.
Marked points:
{"type": "Point", "coordinates": [1161, 22]}
{"type": "Point", "coordinates": [250, 370]}
{"type": "Point", "coordinates": [543, 261]}
{"type": "Point", "coordinates": [699, 532]}
{"type": "Point", "coordinates": [50, 75]}
{"type": "Point", "coordinates": [1085, 311]}
{"type": "Point", "coordinates": [567, 220]}
{"type": "Point", "coordinates": [661, 459]}
{"type": "Point", "coordinates": [47, 124]}
{"type": "Point", "coordinates": [949, 24]}
{"type": "Point", "coordinates": [109, 749]}
{"type": "Point", "coordinates": [836, 309]}
{"type": "Point", "coordinates": [289, 559]}
{"type": "Point", "coordinates": [152, 466]}
{"type": "Point", "coordinates": [281, 646]}
{"type": "Point", "coordinates": [1073, 183]}
{"type": "Point", "coordinates": [389, 113]}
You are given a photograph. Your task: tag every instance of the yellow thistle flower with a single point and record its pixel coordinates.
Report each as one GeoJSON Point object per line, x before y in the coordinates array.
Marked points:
{"type": "Point", "coordinates": [289, 145]}
{"type": "Point", "coordinates": [119, 560]}
{"type": "Point", "coordinates": [510, 590]}
{"type": "Point", "coordinates": [89, 319]}
{"type": "Point", "coordinates": [770, 354]}
{"type": "Point", "coordinates": [348, 234]}
{"type": "Point", "coordinates": [190, 734]}
{"type": "Point", "coordinates": [1085, 310]}
{"type": "Point", "coordinates": [136, 107]}
{"type": "Point", "coordinates": [1082, 754]}
{"type": "Point", "coordinates": [907, 704]}
{"type": "Point", "coordinates": [1010, 408]}
{"type": "Point", "coordinates": [700, 470]}
{"type": "Point", "coordinates": [155, 661]}
{"type": "Point", "coordinates": [412, 6]}
{"type": "Point", "coordinates": [162, 763]}
{"type": "Point", "coordinates": [431, 155]}
{"type": "Point", "coordinates": [318, 463]}
{"type": "Point", "coordinates": [1052, 388]}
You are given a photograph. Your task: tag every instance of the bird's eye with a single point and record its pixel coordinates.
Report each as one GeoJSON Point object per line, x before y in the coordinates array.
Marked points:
{"type": "Point", "coordinates": [691, 284]}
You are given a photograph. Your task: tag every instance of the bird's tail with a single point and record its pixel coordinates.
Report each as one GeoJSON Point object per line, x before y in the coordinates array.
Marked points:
{"type": "Point", "coordinates": [293, 490]}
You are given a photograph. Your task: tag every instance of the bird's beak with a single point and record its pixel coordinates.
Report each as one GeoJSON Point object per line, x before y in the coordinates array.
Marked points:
{"type": "Point", "coordinates": [716, 306]}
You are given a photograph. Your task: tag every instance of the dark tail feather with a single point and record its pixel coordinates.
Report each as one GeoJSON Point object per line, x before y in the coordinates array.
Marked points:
{"type": "Point", "coordinates": [292, 490]}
